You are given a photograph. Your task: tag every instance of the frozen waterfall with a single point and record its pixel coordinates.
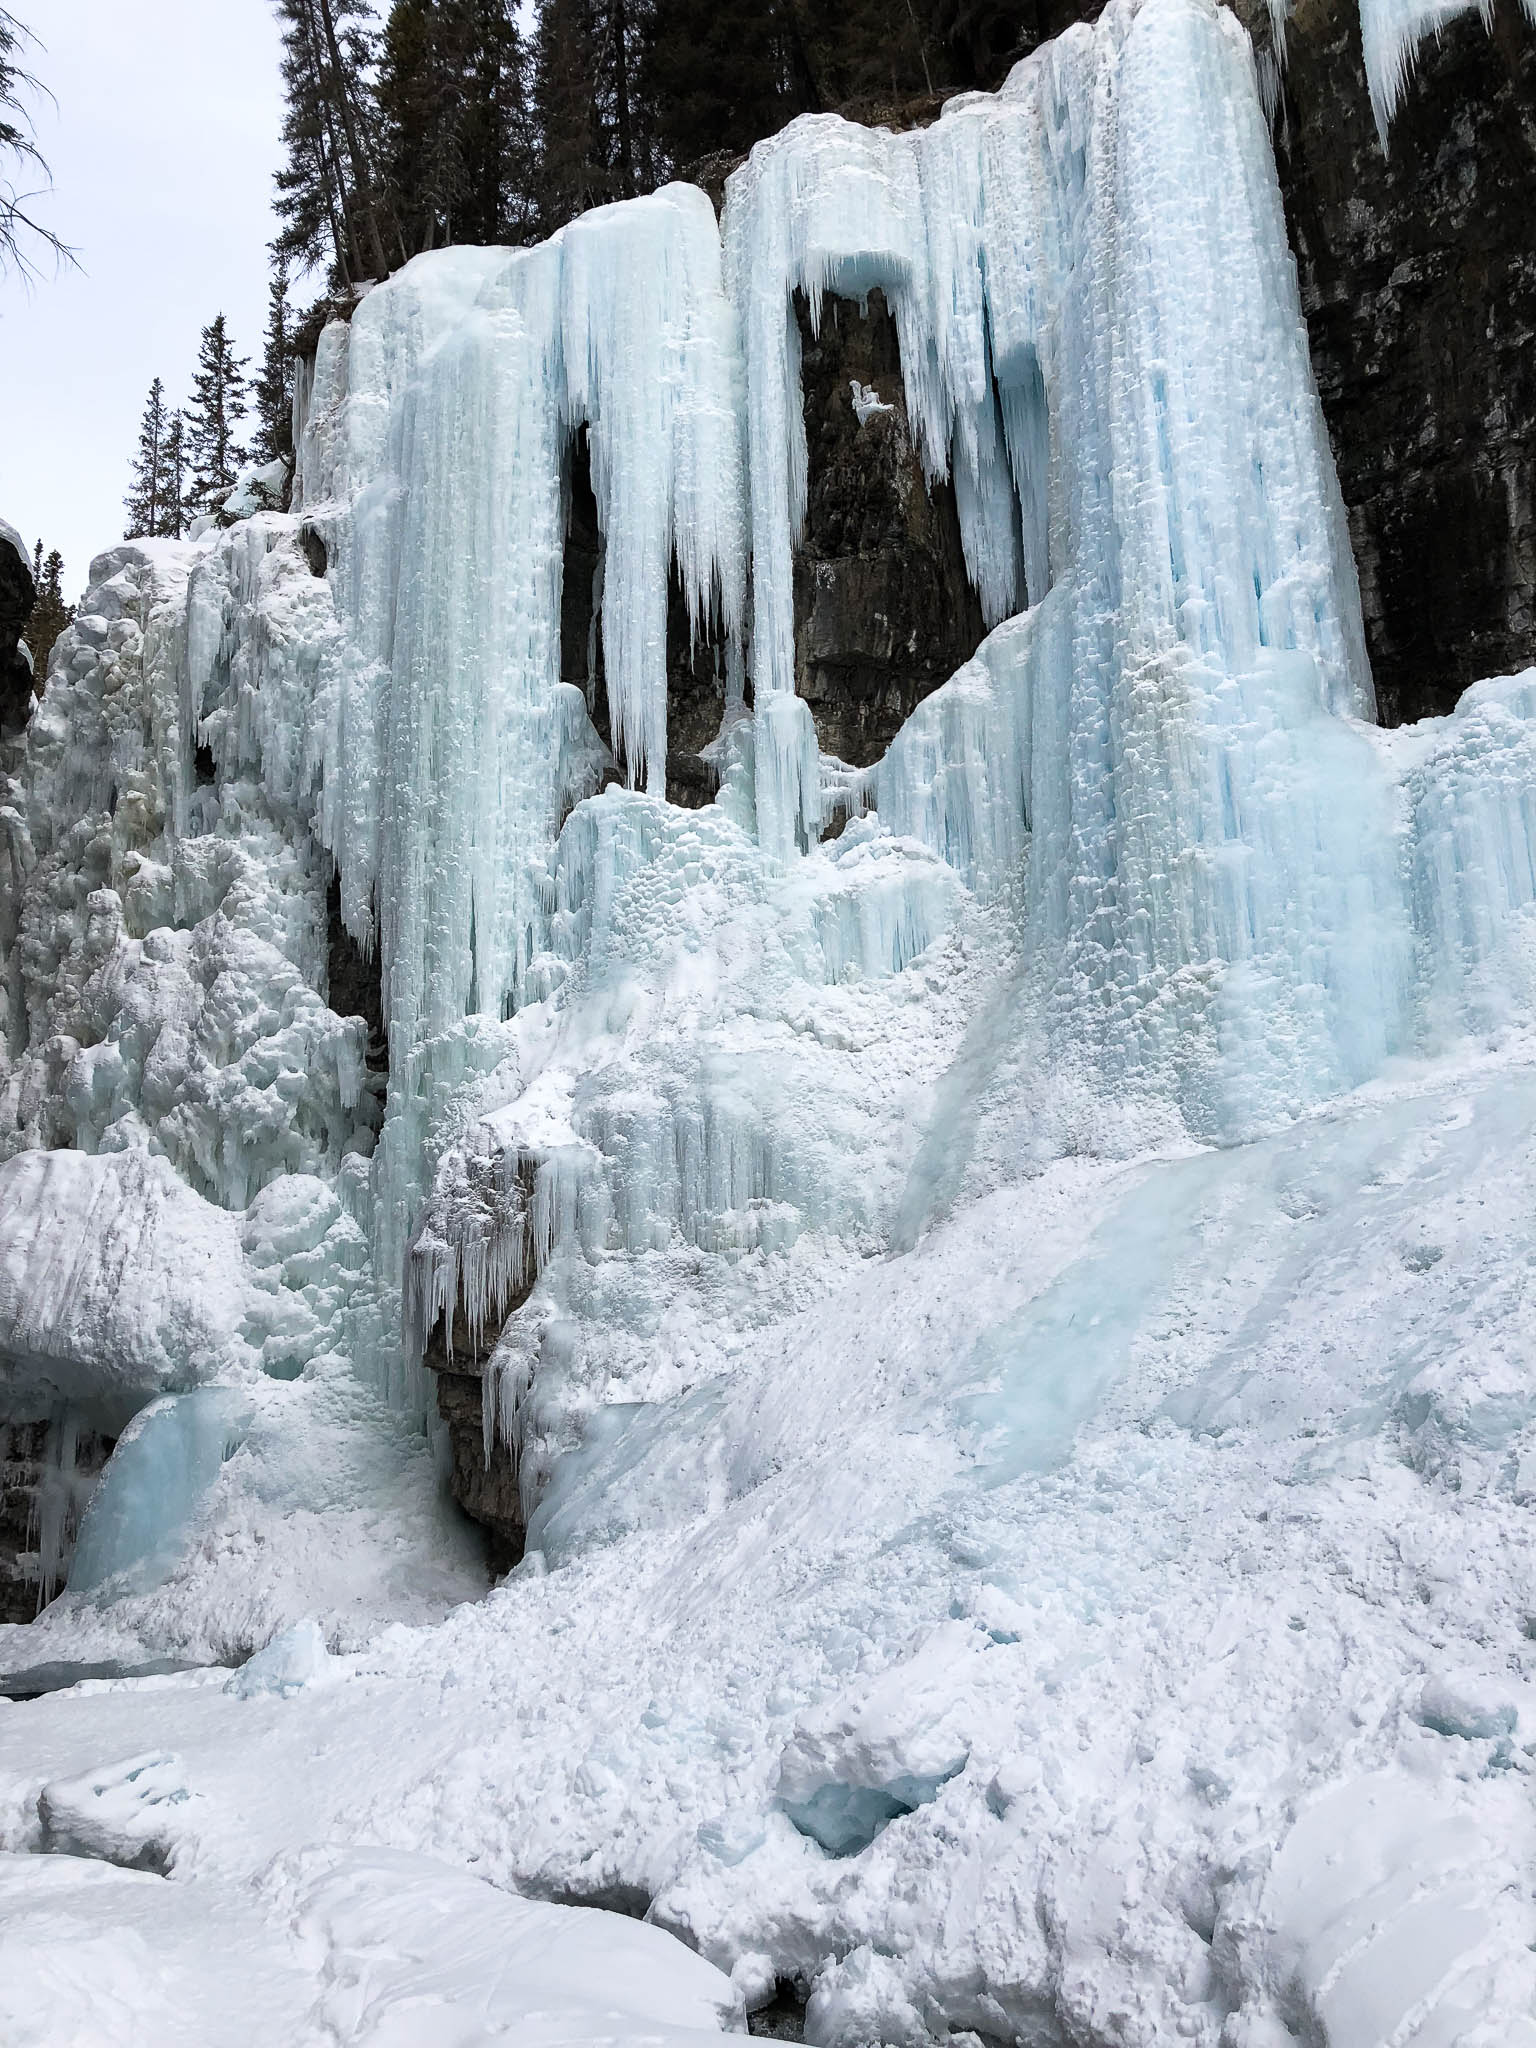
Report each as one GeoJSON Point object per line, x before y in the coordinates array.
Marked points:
{"type": "Point", "coordinates": [659, 1065]}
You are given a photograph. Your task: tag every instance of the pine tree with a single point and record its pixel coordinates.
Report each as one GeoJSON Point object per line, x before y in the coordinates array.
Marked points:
{"type": "Point", "coordinates": [421, 111]}
{"type": "Point", "coordinates": [596, 133]}
{"type": "Point", "coordinates": [328, 196]}
{"type": "Point", "coordinates": [721, 76]}
{"type": "Point", "coordinates": [495, 156]}
{"type": "Point", "coordinates": [571, 174]}
{"type": "Point", "coordinates": [453, 122]}
{"type": "Point", "coordinates": [50, 614]}
{"type": "Point", "coordinates": [145, 502]}
{"type": "Point", "coordinates": [273, 389]}
{"type": "Point", "coordinates": [173, 485]}
{"type": "Point", "coordinates": [214, 449]}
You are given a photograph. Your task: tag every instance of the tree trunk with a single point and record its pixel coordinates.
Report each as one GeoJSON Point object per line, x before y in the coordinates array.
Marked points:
{"type": "Point", "coordinates": [361, 176]}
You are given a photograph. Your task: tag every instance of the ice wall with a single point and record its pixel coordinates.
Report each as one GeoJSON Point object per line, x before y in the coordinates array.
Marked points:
{"type": "Point", "coordinates": [440, 427]}
{"type": "Point", "coordinates": [1101, 333]}
{"type": "Point", "coordinates": [667, 1069]}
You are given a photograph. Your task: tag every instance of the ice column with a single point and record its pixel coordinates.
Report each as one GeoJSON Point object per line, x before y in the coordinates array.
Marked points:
{"type": "Point", "coordinates": [437, 432]}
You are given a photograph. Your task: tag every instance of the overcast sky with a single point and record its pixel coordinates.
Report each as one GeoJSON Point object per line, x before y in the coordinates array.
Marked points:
{"type": "Point", "coordinates": [162, 147]}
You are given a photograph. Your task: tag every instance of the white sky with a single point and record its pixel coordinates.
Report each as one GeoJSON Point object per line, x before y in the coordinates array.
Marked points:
{"type": "Point", "coordinates": [162, 149]}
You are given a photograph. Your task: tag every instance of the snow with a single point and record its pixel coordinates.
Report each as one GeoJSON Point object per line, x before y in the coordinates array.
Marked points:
{"type": "Point", "coordinates": [96, 1954]}
{"type": "Point", "coordinates": [1011, 1319]}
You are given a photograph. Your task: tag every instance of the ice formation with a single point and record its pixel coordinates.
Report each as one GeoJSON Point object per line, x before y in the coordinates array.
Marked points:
{"type": "Point", "coordinates": [1391, 32]}
{"type": "Point", "coordinates": [929, 1277]}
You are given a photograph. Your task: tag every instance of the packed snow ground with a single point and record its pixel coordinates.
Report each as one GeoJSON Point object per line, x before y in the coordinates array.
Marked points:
{"type": "Point", "coordinates": [1021, 1377]}
{"type": "Point", "coordinates": [1110, 1621]}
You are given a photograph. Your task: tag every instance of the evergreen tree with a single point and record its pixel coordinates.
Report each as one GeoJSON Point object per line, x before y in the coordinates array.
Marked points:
{"type": "Point", "coordinates": [570, 176]}
{"type": "Point", "coordinates": [720, 77]}
{"type": "Point", "coordinates": [50, 614]}
{"type": "Point", "coordinates": [173, 489]}
{"type": "Point", "coordinates": [421, 111]}
{"type": "Point", "coordinates": [596, 133]}
{"type": "Point", "coordinates": [327, 195]}
{"type": "Point", "coordinates": [155, 503]}
{"type": "Point", "coordinates": [145, 502]}
{"type": "Point", "coordinates": [495, 153]}
{"type": "Point", "coordinates": [453, 122]}
{"type": "Point", "coordinates": [214, 449]}
{"type": "Point", "coordinates": [273, 389]}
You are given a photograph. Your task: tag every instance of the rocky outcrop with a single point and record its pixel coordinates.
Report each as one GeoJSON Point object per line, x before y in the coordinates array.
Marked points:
{"type": "Point", "coordinates": [484, 1485]}
{"type": "Point", "coordinates": [18, 594]}
{"type": "Point", "coordinates": [696, 659]}
{"type": "Point", "coordinates": [1418, 277]}
{"type": "Point", "coordinates": [884, 610]}
{"type": "Point", "coordinates": [485, 1488]}
{"type": "Point", "coordinates": [355, 981]}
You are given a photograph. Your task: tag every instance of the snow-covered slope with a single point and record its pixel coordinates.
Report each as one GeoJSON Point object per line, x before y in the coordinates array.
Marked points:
{"type": "Point", "coordinates": [1012, 1320]}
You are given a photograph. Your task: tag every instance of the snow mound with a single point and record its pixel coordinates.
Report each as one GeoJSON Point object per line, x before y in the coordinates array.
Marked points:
{"type": "Point", "coordinates": [380, 1948]}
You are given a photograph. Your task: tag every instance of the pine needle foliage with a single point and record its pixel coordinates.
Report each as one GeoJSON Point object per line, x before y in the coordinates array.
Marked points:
{"type": "Point", "coordinates": [215, 451]}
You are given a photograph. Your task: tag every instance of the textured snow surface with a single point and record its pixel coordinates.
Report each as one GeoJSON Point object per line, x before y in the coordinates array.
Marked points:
{"type": "Point", "coordinates": [1013, 1321]}
{"type": "Point", "coordinates": [1135, 1579]}
{"type": "Point", "coordinates": [328, 1945]}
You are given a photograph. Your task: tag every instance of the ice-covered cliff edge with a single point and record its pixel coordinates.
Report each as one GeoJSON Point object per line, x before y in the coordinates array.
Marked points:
{"type": "Point", "coordinates": [1009, 1317]}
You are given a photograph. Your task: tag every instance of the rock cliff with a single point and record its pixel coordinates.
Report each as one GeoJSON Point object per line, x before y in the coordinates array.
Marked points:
{"type": "Point", "coordinates": [17, 596]}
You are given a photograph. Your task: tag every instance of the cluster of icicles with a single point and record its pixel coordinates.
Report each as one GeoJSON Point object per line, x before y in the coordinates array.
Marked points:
{"type": "Point", "coordinates": [1156, 756]}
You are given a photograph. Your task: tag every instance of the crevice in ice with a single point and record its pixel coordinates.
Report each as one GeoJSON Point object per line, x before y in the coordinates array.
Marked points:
{"type": "Point", "coordinates": [355, 981]}
{"type": "Point", "coordinates": [315, 552]}
{"type": "Point", "coordinates": [49, 1468]}
{"type": "Point", "coordinates": [783, 2017]}
{"type": "Point", "coordinates": [581, 588]}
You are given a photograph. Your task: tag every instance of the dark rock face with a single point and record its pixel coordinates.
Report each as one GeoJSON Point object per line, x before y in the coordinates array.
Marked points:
{"type": "Point", "coordinates": [1418, 276]}
{"type": "Point", "coordinates": [487, 1492]}
{"type": "Point", "coordinates": [486, 1488]}
{"type": "Point", "coordinates": [884, 610]}
{"type": "Point", "coordinates": [48, 1470]}
{"type": "Point", "coordinates": [18, 594]}
{"type": "Point", "coordinates": [355, 985]}
{"type": "Point", "coordinates": [696, 678]}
